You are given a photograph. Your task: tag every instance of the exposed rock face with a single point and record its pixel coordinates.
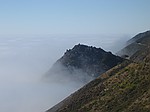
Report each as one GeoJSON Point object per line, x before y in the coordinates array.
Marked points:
{"type": "Point", "coordinates": [86, 61]}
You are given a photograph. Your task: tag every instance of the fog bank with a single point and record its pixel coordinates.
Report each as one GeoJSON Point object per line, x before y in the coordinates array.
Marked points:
{"type": "Point", "coordinates": [25, 59]}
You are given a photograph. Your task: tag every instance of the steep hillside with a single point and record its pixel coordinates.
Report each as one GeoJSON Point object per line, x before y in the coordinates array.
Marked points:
{"type": "Point", "coordinates": [82, 62]}
{"type": "Point", "coordinates": [137, 43]}
{"type": "Point", "coordinates": [139, 37]}
{"type": "Point", "coordinates": [127, 90]}
{"type": "Point", "coordinates": [124, 88]}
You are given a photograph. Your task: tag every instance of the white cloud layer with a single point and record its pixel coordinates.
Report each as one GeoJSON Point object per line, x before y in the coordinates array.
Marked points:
{"type": "Point", "coordinates": [24, 60]}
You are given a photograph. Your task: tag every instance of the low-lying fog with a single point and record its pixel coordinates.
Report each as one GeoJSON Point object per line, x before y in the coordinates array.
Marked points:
{"type": "Point", "coordinates": [25, 59]}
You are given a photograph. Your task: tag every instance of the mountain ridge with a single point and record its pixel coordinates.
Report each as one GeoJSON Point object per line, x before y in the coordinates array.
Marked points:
{"type": "Point", "coordinates": [84, 62]}
{"type": "Point", "coordinates": [135, 44]}
{"type": "Point", "coordinates": [123, 88]}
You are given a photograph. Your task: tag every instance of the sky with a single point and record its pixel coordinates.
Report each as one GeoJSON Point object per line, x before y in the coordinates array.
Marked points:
{"type": "Point", "coordinates": [42, 17]}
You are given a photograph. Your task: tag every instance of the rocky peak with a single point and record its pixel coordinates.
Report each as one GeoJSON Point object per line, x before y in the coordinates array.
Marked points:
{"type": "Point", "coordinates": [83, 59]}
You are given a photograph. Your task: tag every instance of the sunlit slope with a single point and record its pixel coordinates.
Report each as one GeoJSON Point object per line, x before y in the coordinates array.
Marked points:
{"type": "Point", "coordinates": [127, 90]}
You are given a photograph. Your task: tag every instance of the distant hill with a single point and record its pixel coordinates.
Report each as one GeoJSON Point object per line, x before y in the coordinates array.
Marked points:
{"type": "Point", "coordinates": [84, 63]}
{"type": "Point", "coordinates": [135, 44]}
{"type": "Point", "coordinates": [123, 88]}
{"type": "Point", "coordinates": [138, 37]}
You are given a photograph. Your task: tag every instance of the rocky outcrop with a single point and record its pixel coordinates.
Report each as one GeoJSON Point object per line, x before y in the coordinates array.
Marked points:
{"type": "Point", "coordinates": [84, 62]}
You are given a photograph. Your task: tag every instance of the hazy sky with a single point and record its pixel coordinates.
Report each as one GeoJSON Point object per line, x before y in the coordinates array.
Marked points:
{"type": "Point", "coordinates": [74, 16]}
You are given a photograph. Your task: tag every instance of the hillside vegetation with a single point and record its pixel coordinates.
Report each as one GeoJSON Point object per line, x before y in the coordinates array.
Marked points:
{"type": "Point", "coordinates": [124, 88]}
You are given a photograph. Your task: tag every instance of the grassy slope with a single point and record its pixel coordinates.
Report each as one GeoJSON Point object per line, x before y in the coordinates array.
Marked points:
{"type": "Point", "coordinates": [126, 91]}
{"type": "Point", "coordinates": [124, 88]}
